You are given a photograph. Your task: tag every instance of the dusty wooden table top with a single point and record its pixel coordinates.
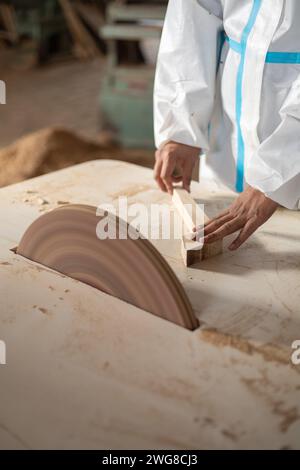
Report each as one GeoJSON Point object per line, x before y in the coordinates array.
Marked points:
{"type": "Point", "coordinates": [85, 370]}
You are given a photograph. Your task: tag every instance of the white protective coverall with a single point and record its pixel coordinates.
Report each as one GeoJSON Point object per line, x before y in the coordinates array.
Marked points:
{"type": "Point", "coordinates": [228, 82]}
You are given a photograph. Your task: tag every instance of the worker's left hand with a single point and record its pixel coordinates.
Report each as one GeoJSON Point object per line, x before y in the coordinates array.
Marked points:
{"type": "Point", "coordinates": [248, 212]}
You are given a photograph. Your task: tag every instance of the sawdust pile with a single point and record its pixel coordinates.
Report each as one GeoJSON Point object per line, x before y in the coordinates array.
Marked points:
{"type": "Point", "coordinates": [45, 151]}
{"type": "Point", "coordinates": [53, 149]}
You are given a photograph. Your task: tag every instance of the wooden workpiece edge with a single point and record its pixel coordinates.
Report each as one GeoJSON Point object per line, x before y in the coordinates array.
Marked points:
{"type": "Point", "coordinates": [192, 215]}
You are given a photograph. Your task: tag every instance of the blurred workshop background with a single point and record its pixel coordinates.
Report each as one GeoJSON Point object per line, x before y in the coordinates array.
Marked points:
{"type": "Point", "coordinates": [79, 80]}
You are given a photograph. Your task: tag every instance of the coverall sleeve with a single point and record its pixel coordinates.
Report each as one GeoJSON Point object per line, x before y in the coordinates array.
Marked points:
{"type": "Point", "coordinates": [185, 80]}
{"type": "Point", "coordinates": [275, 168]}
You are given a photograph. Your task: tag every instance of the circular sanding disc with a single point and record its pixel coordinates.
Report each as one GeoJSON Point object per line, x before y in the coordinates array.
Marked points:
{"type": "Point", "coordinates": [132, 270]}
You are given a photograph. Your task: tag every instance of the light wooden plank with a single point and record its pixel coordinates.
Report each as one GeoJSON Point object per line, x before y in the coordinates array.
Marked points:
{"type": "Point", "coordinates": [193, 216]}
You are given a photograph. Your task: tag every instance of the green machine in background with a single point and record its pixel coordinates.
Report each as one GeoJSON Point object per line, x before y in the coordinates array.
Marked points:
{"type": "Point", "coordinates": [41, 21]}
{"type": "Point", "coordinates": [132, 32]}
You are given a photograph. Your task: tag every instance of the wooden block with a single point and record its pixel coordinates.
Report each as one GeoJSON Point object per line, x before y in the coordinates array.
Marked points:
{"type": "Point", "coordinates": [212, 249]}
{"type": "Point", "coordinates": [192, 215]}
{"type": "Point", "coordinates": [191, 252]}
{"type": "Point", "coordinates": [189, 211]}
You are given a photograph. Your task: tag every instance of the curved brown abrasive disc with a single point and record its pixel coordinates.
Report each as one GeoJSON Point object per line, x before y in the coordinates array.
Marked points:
{"type": "Point", "coordinates": [132, 270]}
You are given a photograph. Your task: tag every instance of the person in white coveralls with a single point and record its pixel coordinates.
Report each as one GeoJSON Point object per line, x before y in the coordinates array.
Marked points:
{"type": "Point", "coordinates": [228, 87]}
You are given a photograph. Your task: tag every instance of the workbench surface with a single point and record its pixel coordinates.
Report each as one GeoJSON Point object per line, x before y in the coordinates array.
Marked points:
{"type": "Point", "coordinates": [85, 370]}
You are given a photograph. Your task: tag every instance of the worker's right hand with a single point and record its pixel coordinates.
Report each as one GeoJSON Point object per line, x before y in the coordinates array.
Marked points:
{"type": "Point", "coordinates": [174, 163]}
